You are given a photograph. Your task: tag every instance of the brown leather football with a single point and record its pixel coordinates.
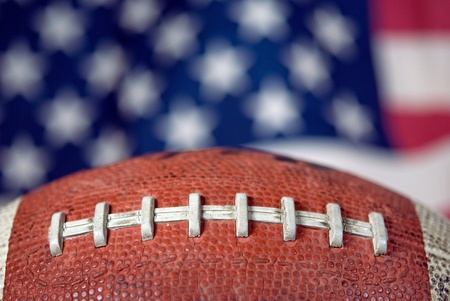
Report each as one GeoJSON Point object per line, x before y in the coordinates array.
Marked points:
{"type": "Point", "coordinates": [220, 224]}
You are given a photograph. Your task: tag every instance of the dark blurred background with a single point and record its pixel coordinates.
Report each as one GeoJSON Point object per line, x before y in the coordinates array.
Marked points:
{"type": "Point", "coordinates": [361, 86]}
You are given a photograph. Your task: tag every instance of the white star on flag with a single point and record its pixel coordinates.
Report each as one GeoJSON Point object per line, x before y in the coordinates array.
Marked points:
{"type": "Point", "coordinates": [274, 110]}
{"type": "Point", "coordinates": [186, 126]}
{"type": "Point", "coordinates": [138, 15]}
{"type": "Point", "coordinates": [104, 68]}
{"type": "Point", "coordinates": [23, 164]}
{"type": "Point", "coordinates": [308, 68]}
{"type": "Point", "coordinates": [350, 118]}
{"type": "Point", "coordinates": [335, 32]}
{"type": "Point", "coordinates": [222, 70]}
{"type": "Point", "coordinates": [67, 119]}
{"type": "Point", "coordinates": [21, 71]}
{"type": "Point", "coordinates": [176, 37]}
{"type": "Point", "coordinates": [112, 145]}
{"type": "Point", "coordinates": [139, 93]}
{"type": "Point", "coordinates": [260, 19]}
{"type": "Point", "coordinates": [60, 27]}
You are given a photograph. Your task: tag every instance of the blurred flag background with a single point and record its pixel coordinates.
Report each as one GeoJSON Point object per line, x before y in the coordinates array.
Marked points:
{"type": "Point", "coordinates": [361, 86]}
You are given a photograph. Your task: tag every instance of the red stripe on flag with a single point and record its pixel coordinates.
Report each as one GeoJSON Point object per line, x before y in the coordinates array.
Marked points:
{"type": "Point", "coordinates": [390, 16]}
{"type": "Point", "coordinates": [412, 130]}
{"type": "Point", "coordinates": [447, 212]}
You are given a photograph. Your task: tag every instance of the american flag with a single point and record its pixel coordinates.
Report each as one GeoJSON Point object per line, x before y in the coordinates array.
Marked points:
{"type": "Point", "coordinates": [90, 82]}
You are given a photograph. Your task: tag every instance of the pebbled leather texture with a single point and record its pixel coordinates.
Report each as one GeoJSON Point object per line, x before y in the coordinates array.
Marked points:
{"type": "Point", "coordinates": [216, 265]}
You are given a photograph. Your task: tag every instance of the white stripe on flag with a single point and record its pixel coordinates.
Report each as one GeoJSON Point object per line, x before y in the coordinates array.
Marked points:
{"type": "Point", "coordinates": [414, 70]}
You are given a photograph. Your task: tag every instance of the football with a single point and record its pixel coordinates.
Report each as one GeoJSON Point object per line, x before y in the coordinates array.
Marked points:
{"type": "Point", "coordinates": [220, 224]}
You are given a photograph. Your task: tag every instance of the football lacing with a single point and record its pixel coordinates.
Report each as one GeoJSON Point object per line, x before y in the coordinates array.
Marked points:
{"type": "Point", "coordinates": [194, 213]}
